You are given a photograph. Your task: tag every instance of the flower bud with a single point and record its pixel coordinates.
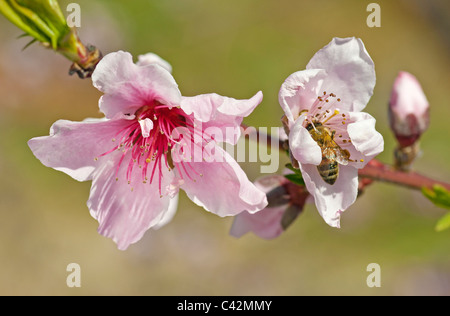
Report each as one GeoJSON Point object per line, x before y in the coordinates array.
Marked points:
{"type": "Point", "coordinates": [40, 19]}
{"type": "Point", "coordinates": [408, 110]}
{"type": "Point", "coordinates": [44, 21]}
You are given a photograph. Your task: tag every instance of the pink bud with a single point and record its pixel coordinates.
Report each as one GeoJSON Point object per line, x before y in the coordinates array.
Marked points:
{"type": "Point", "coordinates": [408, 109]}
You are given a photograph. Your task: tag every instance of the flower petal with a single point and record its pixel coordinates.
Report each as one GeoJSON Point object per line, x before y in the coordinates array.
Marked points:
{"type": "Point", "coordinates": [72, 146]}
{"type": "Point", "coordinates": [303, 147]}
{"type": "Point", "coordinates": [219, 115]}
{"type": "Point", "coordinates": [365, 138]}
{"type": "Point", "coordinates": [265, 223]}
{"type": "Point", "coordinates": [150, 58]}
{"type": "Point", "coordinates": [407, 96]}
{"type": "Point", "coordinates": [126, 211]}
{"type": "Point", "coordinates": [223, 188]}
{"type": "Point", "coordinates": [351, 71]}
{"type": "Point", "coordinates": [168, 216]}
{"type": "Point", "coordinates": [332, 200]}
{"type": "Point", "coordinates": [299, 92]}
{"type": "Point", "coordinates": [128, 87]}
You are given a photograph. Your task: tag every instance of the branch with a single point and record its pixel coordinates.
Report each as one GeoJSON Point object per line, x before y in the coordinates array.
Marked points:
{"type": "Point", "coordinates": [413, 180]}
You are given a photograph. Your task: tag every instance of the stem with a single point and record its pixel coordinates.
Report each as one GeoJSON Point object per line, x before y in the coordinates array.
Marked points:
{"type": "Point", "coordinates": [413, 180]}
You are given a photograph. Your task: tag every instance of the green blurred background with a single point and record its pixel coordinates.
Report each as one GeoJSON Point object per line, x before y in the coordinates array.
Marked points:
{"type": "Point", "coordinates": [234, 48]}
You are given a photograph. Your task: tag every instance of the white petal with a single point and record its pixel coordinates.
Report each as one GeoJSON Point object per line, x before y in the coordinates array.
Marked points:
{"type": "Point", "coordinates": [351, 71]}
{"type": "Point", "coordinates": [303, 147]}
{"type": "Point", "coordinates": [332, 200]}
{"type": "Point", "coordinates": [299, 92]}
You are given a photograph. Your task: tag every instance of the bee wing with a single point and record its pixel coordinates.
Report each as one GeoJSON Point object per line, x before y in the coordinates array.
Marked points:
{"type": "Point", "coordinates": [342, 156]}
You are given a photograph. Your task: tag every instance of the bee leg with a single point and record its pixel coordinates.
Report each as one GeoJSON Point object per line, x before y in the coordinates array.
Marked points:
{"type": "Point", "coordinates": [332, 134]}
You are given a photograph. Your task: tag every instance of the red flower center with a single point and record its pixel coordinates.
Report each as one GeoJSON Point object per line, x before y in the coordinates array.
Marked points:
{"type": "Point", "coordinates": [148, 139]}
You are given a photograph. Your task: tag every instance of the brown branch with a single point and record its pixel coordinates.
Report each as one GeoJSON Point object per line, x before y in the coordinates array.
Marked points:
{"type": "Point", "coordinates": [413, 180]}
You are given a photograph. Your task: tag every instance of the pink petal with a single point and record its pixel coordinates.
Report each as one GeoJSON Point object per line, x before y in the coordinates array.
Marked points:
{"type": "Point", "coordinates": [408, 97]}
{"type": "Point", "coordinates": [168, 216]}
{"type": "Point", "coordinates": [221, 116]}
{"type": "Point", "coordinates": [299, 92]}
{"type": "Point", "coordinates": [265, 223]}
{"type": "Point", "coordinates": [150, 58]}
{"type": "Point", "coordinates": [332, 200]}
{"type": "Point", "coordinates": [303, 147]}
{"type": "Point", "coordinates": [223, 188]}
{"type": "Point", "coordinates": [408, 109]}
{"type": "Point", "coordinates": [72, 147]}
{"type": "Point", "coordinates": [351, 71]}
{"type": "Point", "coordinates": [125, 214]}
{"type": "Point", "coordinates": [128, 87]}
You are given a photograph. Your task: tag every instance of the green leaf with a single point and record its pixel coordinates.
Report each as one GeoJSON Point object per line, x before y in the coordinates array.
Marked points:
{"type": "Point", "coordinates": [16, 19]}
{"type": "Point", "coordinates": [295, 178]}
{"type": "Point", "coordinates": [438, 195]}
{"type": "Point", "coordinates": [41, 19]}
{"type": "Point", "coordinates": [292, 168]}
{"type": "Point", "coordinates": [443, 223]}
{"type": "Point", "coordinates": [37, 22]}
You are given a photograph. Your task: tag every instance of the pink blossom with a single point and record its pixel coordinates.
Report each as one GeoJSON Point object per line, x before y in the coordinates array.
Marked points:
{"type": "Point", "coordinates": [326, 99]}
{"type": "Point", "coordinates": [286, 202]}
{"type": "Point", "coordinates": [133, 154]}
{"type": "Point", "coordinates": [267, 222]}
{"type": "Point", "coordinates": [408, 109]}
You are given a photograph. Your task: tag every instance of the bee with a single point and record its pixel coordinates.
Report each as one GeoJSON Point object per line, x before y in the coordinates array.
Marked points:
{"type": "Point", "coordinates": [332, 153]}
